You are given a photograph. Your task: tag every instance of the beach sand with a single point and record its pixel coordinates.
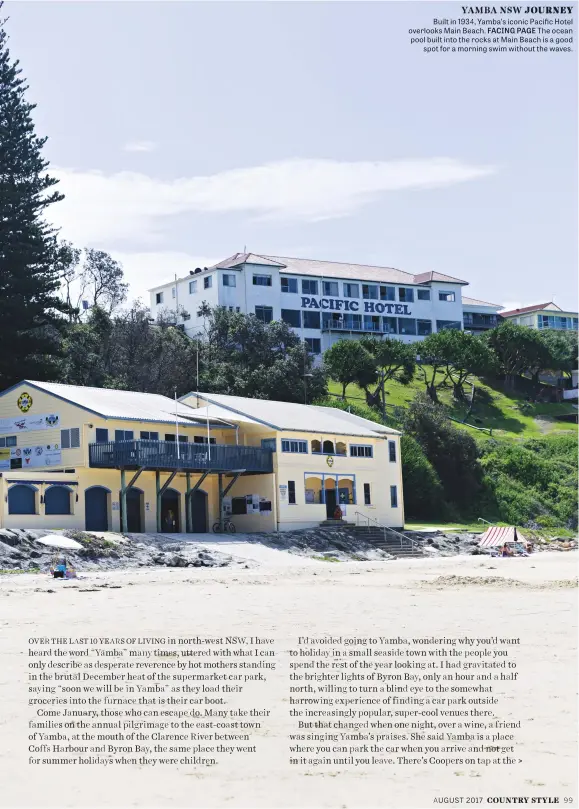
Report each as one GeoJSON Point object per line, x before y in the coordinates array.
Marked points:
{"type": "Point", "coordinates": [531, 598]}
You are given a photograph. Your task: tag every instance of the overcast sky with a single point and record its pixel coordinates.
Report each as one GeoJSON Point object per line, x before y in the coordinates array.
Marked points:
{"type": "Point", "coordinates": [185, 131]}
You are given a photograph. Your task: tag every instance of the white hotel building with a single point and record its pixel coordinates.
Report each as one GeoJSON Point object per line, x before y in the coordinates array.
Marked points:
{"type": "Point", "coordinates": [325, 301]}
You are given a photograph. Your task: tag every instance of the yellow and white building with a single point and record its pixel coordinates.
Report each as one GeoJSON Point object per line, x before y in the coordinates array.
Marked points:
{"type": "Point", "coordinates": [108, 460]}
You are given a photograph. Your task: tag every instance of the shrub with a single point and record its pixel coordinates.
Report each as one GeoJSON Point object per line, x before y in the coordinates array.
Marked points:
{"type": "Point", "coordinates": [423, 492]}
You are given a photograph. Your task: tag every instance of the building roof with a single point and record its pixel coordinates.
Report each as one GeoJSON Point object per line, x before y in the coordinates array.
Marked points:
{"type": "Point", "coordinates": [119, 404]}
{"type": "Point", "coordinates": [289, 416]}
{"type": "Point", "coordinates": [475, 302]}
{"type": "Point", "coordinates": [336, 269]}
{"type": "Point", "coordinates": [536, 308]}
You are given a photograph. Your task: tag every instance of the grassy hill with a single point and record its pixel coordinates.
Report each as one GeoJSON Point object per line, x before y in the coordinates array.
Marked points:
{"type": "Point", "coordinates": [509, 416]}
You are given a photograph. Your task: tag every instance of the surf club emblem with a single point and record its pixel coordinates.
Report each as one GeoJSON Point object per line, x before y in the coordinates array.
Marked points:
{"type": "Point", "coordinates": [51, 420]}
{"type": "Point", "coordinates": [25, 402]}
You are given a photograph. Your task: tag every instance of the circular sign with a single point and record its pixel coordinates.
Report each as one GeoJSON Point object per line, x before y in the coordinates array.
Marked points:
{"type": "Point", "coordinates": [330, 460]}
{"type": "Point", "coordinates": [25, 402]}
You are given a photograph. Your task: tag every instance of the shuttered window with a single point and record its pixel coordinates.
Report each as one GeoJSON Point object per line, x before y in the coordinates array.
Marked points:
{"type": "Point", "coordinates": [70, 439]}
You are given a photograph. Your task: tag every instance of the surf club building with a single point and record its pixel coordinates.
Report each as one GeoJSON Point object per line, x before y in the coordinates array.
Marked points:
{"type": "Point", "coordinates": [324, 301]}
{"type": "Point", "coordinates": [108, 460]}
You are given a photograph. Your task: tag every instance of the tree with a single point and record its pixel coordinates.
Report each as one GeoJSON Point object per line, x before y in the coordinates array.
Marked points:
{"type": "Point", "coordinates": [31, 321]}
{"type": "Point", "coordinates": [562, 347]}
{"type": "Point", "coordinates": [423, 492]}
{"type": "Point", "coordinates": [459, 355]}
{"type": "Point", "coordinates": [431, 366]}
{"type": "Point", "coordinates": [519, 349]}
{"type": "Point", "coordinates": [347, 361]}
{"type": "Point", "coordinates": [394, 360]}
{"type": "Point", "coordinates": [99, 280]}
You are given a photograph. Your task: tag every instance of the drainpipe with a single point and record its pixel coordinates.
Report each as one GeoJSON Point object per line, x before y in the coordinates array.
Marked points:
{"type": "Point", "coordinates": [124, 519]}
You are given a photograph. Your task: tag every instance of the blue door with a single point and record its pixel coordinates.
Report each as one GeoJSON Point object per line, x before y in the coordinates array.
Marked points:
{"type": "Point", "coordinates": [96, 509]}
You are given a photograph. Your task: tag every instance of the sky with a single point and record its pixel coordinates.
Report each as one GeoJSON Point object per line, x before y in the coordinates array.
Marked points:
{"type": "Point", "coordinates": [185, 132]}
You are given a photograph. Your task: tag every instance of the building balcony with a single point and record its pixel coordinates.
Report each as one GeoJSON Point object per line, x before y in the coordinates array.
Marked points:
{"type": "Point", "coordinates": [475, 321]}
{"type": "Point", "coordinates": [355, 325]}
{"type": "Point", "coordinates": [170, 456]}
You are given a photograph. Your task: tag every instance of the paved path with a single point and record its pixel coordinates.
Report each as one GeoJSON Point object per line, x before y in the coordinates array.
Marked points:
{"type": "Point", "coordinates": [240, 546]}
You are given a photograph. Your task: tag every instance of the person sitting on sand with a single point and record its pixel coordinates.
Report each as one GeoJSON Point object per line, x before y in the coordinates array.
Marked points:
{"type": "Point", "coordinates": [59, 571]}
{"type": "Point", "coordinates": [506, 551]}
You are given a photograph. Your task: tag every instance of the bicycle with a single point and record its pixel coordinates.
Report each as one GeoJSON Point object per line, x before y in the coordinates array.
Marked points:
{"type": "Point", "coordinates": [228, 527]}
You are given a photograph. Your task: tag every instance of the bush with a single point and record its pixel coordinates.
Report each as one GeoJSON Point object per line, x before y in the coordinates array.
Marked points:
{"type": "Point", "coordinates": [423, 492]}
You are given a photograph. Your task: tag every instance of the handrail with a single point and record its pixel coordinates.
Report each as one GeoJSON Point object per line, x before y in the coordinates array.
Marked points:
{"type": "Point", "coordinates": [384, 529]}
{"type": "Point", "coordinates": [480, 519]}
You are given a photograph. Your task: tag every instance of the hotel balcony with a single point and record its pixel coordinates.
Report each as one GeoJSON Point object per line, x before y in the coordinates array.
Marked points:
{"type": "Point", "coordinates": [375, 326]}
{"type": "Point", "coordinates": [170, 456]}
{"type": "Point", "coordinates": [472, 320]}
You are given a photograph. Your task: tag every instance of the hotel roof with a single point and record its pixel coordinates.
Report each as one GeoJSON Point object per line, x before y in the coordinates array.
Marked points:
{"type": "Point", "coordinates": [475, 302]}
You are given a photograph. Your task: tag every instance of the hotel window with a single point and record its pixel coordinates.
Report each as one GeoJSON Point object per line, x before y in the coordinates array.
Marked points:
{"type": "Point", "coordinates": [192, 287]}
{"type": "Point", "coordinates": [309, 287]}
{"type": "Point", "coordinates": [387, 294]}
{"type": "Point", "coordinates": [173, 293]}
{"type": "Point", "coordinates": [124, 435]}
{"type": "Point", "coordinates": [406, 295]}
{"type": "Point", "coordinates": [102, 435]}
{"type": "Point", "coordinates": [351, 291]}
{"type": "Point", "coordinates": [288, 445]}
{"type": "Point", "coordinates": [291, 492]}
{"type": "Point", "coordinates": [371, 323]}
{"type": "Point", "coordinates": [447, 324]}
{"type": "Point", "coordinates": [424, 327]}
{"type": "Point", "coordinates": [10, 441]}
{"type": "Point", "coordinates": [406, 325]}
{"type": "Point", "coordinates": [159, 297]}
{"type": "Point", "coordinates": [369, 292]}
{"type": "Point", "coordinates": [314, 345]}
{"type": "Point", "coordinates": [311, 320]}
{"type": "Point", "coordinates": [361, 451]}
{"type": "Point", "coordinates": [330, 289]}
{"type": "Point", "coordinates": [292, 317]}
{"type": "Point", "coordinates": [229, 280]}
{"type": "Point", "coordinates": [393, 497]}
{"type": "Point", "coordinates": [264, 313]}
{"type": "Point", "coordinates": [390, 325]}
{"type": "Point", "coordinates": [423, 294]}
{"type": "Point", "coordinates": [208, 282]}
{"type": "Point", "coordinates": [446, 296]}
{"type": "Point", "coordinates": [392, 451]}
{"type": "Point", "coordinates": [70, 439]}
{"type": "Point", "coordinates": [262, 280]}
{"type": "Point", "coordinates": [289, 284]}
{"type": "Point", "coordinates": [147, 435]}
{"type": "Point", "coordinates": [367, 497]}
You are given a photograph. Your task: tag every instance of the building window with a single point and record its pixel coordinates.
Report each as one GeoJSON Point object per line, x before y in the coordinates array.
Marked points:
{"type": "Point", "coordinates": [390, 325]}
{"type": "Point", "coordinates": [423, 294]}
{"type": "Point", "coordinates": [289, 284]}
{"type": "Point", "coordinates": [406, 295]}
{"type": "Point", "coordinates": [367, 497]}
{"type": "Point", "coordinates": [8, 441]}
{"type": "Point", "coordinates": [159, 298]}
{"type": "Point", "coordinates": [21, 499]}
{"type": "Point", "coordinates": [330, 289]}
{"type": "Point", "coordinates": [313, 345]}
{"type": "Point", "coordinates": [57, 500]}
{"type": "Point", "coordinates": [393, 497]}
{"type": "Point", "coordinates": [369, 292]}
{"type": "Point", "coordinates": [124, 435]}
{"type": "Point", "coordinates": [264, 313]}
{"type": "Point", "coordinates": [192, 287]}
{"type": "Point", "coordinates": [328, 447]}
{"type": "Point", "coordinates": [406, 325]}
{"type": "Point", "coordinates": [147, 435]}
{"type": "Point", "coordinates": [314, 492]}
{"type": "Point", "coordinates": [309, 287]}
{"type": "Point", "coordinates": [291, 492]}
{"type": "Point", "coordinates": [229, 280]}
{"type": "Point", "coordinates": [268, 443]}
{"type": "Point", "coordinates": [351, 291]}
{"type": "Point", "coordinates": [371, 323]}
{"type": "Point", "coordinates": [238, 309]}
{"type": "Point", "coordinates": [311, 320]}
{"type": "Point", "coordinates": [424, 327]}
{"type": "Point", "coordinates": [290, 445]}
{"type": "Point", "coordinates": [446, 296]}
{"type": "Point", "coordinates": [392, 451]}
{"type": "Point", "coordinates": [262, 280]}
{"type": "Point", "coordinates": [341, 448]}
{"type": "Point", "coordinates": [447, 324]}
{"type": "Point", "coordinates": [208, 282]}
{"type": "Point", "coordinates": [173, 292]}
{"type": "Point", "coordinates": [387, 294]}
{"type": "Point", "coordinates": [239, 505]}
{"type": "Point", "coordinates": [102, 435]}
{"type": "Point", "coordinates": [183, 439]}
{"type": "Point", "coordinates": [70, 439]}
{"type": "Point", "coordinates": [292, 317]}
{"type": "Point", "coordinates": [202, 439]}
{"type": "Point", "coordinates": [361, 451]}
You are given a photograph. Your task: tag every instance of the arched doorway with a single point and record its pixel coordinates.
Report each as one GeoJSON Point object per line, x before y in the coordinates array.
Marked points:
{"type": "Point", "coordinates": [96, 508]}
{"type": "Point", "coordinates": [22, 499]}
{"type": "Point", "coordinates": [171, 511]}
{"type": "Point", "coordinates": [135, 510]}
{"type": "Point", "coordinates": [199, 518]}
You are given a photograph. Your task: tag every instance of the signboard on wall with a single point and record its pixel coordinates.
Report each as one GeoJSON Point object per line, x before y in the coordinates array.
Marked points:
{"type": "Point", "coordinates": [30, 457]}
{"type": "Point", "coordinates": [27, 424]}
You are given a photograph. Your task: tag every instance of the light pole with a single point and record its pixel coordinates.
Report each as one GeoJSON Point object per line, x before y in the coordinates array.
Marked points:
{"type": "Point", "coordinates": [306, 377]}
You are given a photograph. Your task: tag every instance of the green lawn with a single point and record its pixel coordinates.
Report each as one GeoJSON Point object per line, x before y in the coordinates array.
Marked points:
{"type": "Point", "coordinates": [509, 416]}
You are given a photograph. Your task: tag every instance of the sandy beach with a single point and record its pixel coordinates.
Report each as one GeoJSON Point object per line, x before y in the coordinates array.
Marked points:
{"type": "Point", "coordinates": [531, 598]}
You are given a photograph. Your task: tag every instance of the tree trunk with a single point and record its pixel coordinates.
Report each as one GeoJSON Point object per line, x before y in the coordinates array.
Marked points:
{"type": "Point", "coordinates": [431, 391]}
{"type": "Point", "coordinates": [458, 392]}
{"type": "Point", "coordinates": [344, 386]}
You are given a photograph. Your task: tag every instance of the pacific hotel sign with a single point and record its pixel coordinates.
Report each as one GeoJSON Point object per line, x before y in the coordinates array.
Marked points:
{"type": "Point", "coordinates": [370, 307]}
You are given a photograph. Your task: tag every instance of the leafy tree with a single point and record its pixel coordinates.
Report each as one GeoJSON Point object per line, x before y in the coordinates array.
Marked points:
{"type": "Point", "coordinates": [394, 360]}
{"type": "Point", "coordinates": [519, 349]}
{"type": "Point", "coordinates": [459, 354]}
{"type": "Point", "coordinates": [562, 347]}
{"type": "Point", "coordinates": [432, 368]}
{"type": "Point", "coordinates": [98, 280]}
{"type": "Point", "coordinates": [348, 361]}
{"type": "Point", "coordinates": [423, 492]}
{"type": "Point", "coordinates": [31, 321]}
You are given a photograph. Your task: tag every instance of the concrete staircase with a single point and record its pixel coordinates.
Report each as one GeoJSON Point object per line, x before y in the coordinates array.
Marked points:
{"type": "Point", "coordinates": [392, 542]}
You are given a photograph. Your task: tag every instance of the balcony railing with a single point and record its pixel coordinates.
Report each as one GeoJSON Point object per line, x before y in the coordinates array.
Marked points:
{"type": "Point", "coordinates": [163, 455]}
{"type": "Point", "coordinates": [480, 321]}
{"type": "Point", "coordinates": [353, 325]}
